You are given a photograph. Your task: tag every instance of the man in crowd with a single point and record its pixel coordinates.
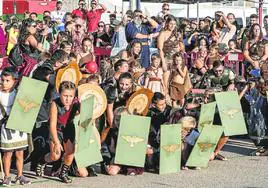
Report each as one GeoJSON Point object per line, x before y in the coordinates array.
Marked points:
{"type": "Point", "coordinates": [58, 14]}
{"type": "Point", "coordinates": [226, 31]}
{"type": "Point", "coordinates": [81, 11]}
{"type": "Point", "coordinates": [140, 30]}
{"type": "Point", "coordinates": [94, 16]}
{"type": "Point", "coordinates": [220, 77]}
{"type": "Point", "coordinates": [165, 10]}
{"type": "Point", "coordinates": [244, 32]}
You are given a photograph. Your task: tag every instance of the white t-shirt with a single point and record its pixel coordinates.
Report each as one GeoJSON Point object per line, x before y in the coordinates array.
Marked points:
{"type": "Point", "coordinates": [227, 34]}
{"type": "Point", "coordinates": [57, 16]}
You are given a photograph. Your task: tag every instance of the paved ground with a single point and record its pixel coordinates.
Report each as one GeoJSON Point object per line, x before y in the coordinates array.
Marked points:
{"type": "Point", "coordinates": [240, 170]}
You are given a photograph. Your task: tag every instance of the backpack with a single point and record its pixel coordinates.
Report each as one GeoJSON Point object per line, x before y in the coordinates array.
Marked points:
{"type": "Point", "coordinates": [15, 57]}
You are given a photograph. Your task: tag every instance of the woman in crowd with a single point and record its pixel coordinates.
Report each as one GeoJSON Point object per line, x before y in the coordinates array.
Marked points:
{"type": "Point", "coordinates": [256, 49]}
{"type": "Point", "coordinates": [169, 43]}
{"type": "Point", "coordinates": [198, 68]}
{"type": "Point", "coordinates": [28, 43]}
{"type": "Point", "coordinates": [101, 38]}
{"type": "Point", "coordinates": [87, 53]}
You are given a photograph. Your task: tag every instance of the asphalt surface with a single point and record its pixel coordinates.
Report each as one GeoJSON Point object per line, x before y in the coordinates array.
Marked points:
{"type": "Point", "coordinates": [241, 170]}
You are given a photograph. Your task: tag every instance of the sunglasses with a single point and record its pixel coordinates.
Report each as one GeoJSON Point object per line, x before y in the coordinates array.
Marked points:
{"type": "Point", "coordinates": [101, 26]}
{"type": "Point", "coordinates": [139, 16]}
{"type": "Point", "coordinates": [166, 8]}
{"type": "Point", "coordinates": [218, 70]}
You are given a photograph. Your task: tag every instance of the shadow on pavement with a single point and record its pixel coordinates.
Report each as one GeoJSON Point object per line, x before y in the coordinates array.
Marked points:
{"type": "Point", "coordinates": [242, 147]}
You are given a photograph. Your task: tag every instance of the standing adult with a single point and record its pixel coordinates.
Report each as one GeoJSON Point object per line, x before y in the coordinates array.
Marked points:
{"type": "Point", "coordinates": [81, 11]}
{"type": "Point", "coordinates": [243, 34]}
{"type": "Point", "coordinates": [165, 11]}
{"type": "Point", "coordinates": [119, 41]}
{"type": "Point", "coordinates": [58, 14]}
{"type": "Point", "coordinates": [223, 29]}
{"type": "Point", "coordinates": [137, 30]}
{"type": "Point", "coordinates": [169, 43]}
{"type": "Point", "coordinates": [94, 16]}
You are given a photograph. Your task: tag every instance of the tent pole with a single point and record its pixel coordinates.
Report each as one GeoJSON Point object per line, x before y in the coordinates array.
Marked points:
{"type": "Point", "coordinates": [188, 10]}
{"type": "Point", "coordinates": [197, 5]}
{"type": "Point", "coordinates": [260, 12]}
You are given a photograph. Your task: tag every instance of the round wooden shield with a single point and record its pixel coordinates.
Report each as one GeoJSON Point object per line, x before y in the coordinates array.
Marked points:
{"type": "Point", "coordinates": [140, 101]}
{"type": "Point", "coordinates": [69, 73]}
{"type": "Point", "coordinates": [100, 100]}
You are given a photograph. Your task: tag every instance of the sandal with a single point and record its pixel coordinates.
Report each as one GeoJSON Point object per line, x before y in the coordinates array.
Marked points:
{"type": "Point", "coordinates": [220, 157]}
{"type": "Point", "coordinates": [262, 153]}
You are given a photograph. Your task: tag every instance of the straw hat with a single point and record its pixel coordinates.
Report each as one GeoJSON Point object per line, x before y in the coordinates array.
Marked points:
{"type": "Point", "coordinates": [140, 101]}
{"type": "Point", "coordinates": [100, 100]}
{"type": "Point", "coordinates": [68, 73]}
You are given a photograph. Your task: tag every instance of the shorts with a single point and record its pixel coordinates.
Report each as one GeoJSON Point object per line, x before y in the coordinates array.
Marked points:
{"type": "Point", "coordinates": [66, 133]}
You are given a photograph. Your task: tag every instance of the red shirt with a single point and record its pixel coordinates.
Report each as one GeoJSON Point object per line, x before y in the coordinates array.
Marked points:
{"type": "Point", "coordinates": [79, 13]}
{"type": "Point", "coordinates": [93, 18]}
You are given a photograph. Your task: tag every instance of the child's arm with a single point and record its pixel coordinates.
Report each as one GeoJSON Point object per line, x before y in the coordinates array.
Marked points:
{"type": "Point", "coordinates": [53, 128]}
{"type": "Point", "coordinates": [183, 72]}
{"type": "Point", "coordinates": [147, 81]}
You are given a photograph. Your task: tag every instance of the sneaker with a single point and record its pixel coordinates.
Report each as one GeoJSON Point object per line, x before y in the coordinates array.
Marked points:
{"type": "Point", "coordinates": [40, 170]}
{"type": "Point", "coordinates": [22, 180]}
{"type": "Point", "coordinates": [6, 182]}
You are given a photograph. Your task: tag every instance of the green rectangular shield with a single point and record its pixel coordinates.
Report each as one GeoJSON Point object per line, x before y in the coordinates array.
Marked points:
{"type": "Point", "coordinates": [170, 149]}
{"type": "Point", "coordinates": [87, 150]}
{"type": "Point", "coordinates": [206, 115]}
{"type": "Point", "coordinates": [86, 111]}
{"type": "Point", "coordinates": [27, 105]}
{"type": "Point", "coordinates": [205, 146]}
{"type": "Point", "coordinates": [132, 140]}
{"type": "Point", "coordinates": [231, 114]}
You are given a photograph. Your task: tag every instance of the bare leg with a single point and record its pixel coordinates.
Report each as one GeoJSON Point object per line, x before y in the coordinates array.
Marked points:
{"type": "Point", "coordinates": [69, 152]}
{"type": "Point", "coordinates": [19, 162]}
{"type": "Point", "coordinates": [223, 140]}
{"type": "Point", "coordinates": [7, 163]}
{"type": "Point", "coordinates": [166, 79]}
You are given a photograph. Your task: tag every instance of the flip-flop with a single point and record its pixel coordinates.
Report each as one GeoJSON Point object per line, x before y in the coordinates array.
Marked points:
{"type": "Point", "coordinates": [220, 157]}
